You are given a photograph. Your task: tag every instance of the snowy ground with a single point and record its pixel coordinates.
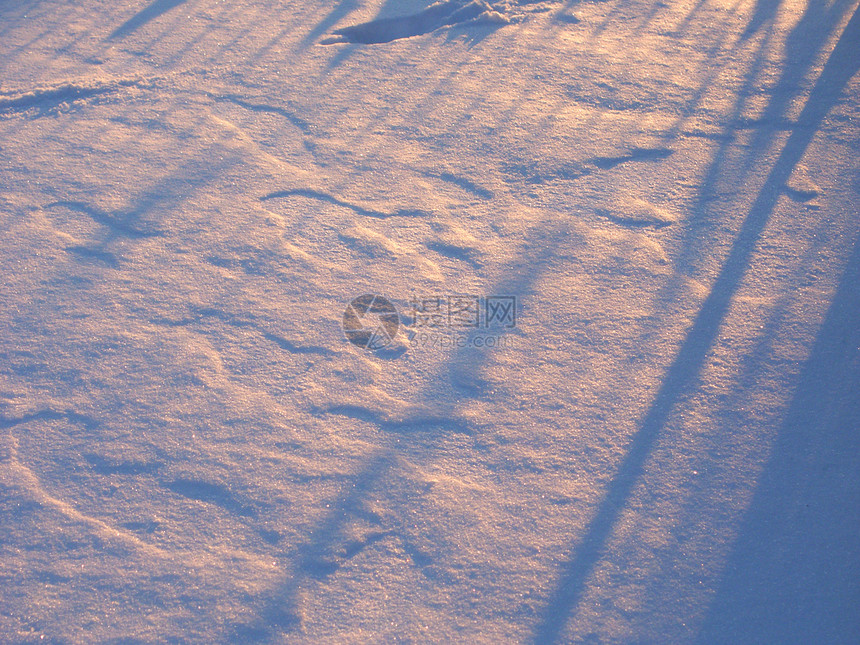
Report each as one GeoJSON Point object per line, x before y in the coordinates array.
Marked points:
{"type": "Point", "coordinates": [664, 447]}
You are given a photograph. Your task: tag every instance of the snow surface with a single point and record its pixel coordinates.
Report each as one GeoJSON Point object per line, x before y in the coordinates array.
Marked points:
{"type": "Point", "coordinates": [665, 447]}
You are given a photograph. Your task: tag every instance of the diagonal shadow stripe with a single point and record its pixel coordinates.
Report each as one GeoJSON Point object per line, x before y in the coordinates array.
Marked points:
{"type": "Point", "coordinates": [343, 9]}
{"type": "Point", "coordinates": [842, 64]}
{"type": "Point", "coordinates": [151, 12]}
{"type": "Point", "coordinates": [278, 609]}
{"type": "Point", "coordinates": [797, 544]}
{"type": "Point", "coordinates": [385, 30]}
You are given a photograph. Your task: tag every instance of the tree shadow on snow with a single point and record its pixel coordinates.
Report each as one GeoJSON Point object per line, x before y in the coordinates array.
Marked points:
{"type": "Point", "coordinates": [681, 376]}
{"type": "Point", "coordinates": [324, 550]}
{"type": "Point", "coordinates": [151, 12]}
{"type": "Point", "coordinates": [794, 575]}
{"type": "Point", "coordinates": [394, 22]}
{"type": "Point", "coordinates": [329, 544]}
{"type": "Point", "coordinates": [341, 11]}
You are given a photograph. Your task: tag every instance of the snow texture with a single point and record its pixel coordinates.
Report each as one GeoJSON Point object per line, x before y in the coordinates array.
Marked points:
{"type": "Point", "coordinates": [649, 211]}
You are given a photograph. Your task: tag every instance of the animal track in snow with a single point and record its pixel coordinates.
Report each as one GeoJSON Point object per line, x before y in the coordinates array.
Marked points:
{"type": "Point", "coordinates": [637, 154]}
{"type": "Point", "coordinates": [283, 343]}
{"type": "Point", "coordinates": [124, 225]}
{"type": "Point", "coordinates": [50, 415]}
{"type": "Point", "coordinates": [297, 121]}
{"type": "Point", "coordinates": [218, 494]}
{"type": "Point", "coordinates": [86, 253]}
{"type": "Point", "coordinates": [455, 252]}
{"type": "Point", "coordinates": [321, 563]}
{"type": "Point", "coordinates": [416, 420]}
{"type": "Point", "coordinates": [201, 313]}
{"type": "Point", "coordinates": [107, 466]}
{"type": "Point", "coordinates": [325, 197]}
{"type": "Point", "coordinates": [46, 99]}
{"type": "Point", "coordinates": [466, 184]}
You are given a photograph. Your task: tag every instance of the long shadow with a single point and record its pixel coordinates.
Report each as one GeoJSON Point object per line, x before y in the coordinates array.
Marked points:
{"type": "Point", "coordinates": [794, 575]}
{"type": "Point", "coordinates": [388, 8]}
{"type": "Point", "coordinates": [385, 30]}
{"type": "Point", "coordinates": [804, 44]}
{"type": "Point", "coordinates": [341, 11]}
{"type": "Point", "coordinates": [764, 14]}
{"type": "Point", "coordinates": [681, 376]}
{"type": "Point", "coordinates": [145, 15]}
{"type": "Point", "coordinates": [317, 558]}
